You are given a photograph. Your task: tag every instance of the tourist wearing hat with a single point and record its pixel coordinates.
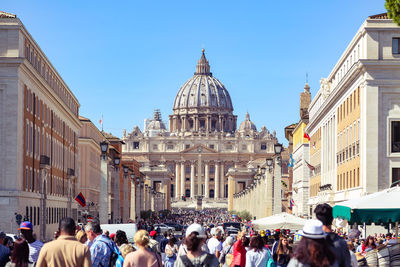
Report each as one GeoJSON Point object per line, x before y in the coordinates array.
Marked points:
{"type": "Point", "coordinates": [313, 249]}
{"type": "Point", "coordinates": [153, 243]}
{"type": "Point", "coordinates": [194, 239]}
{"type": "Point", "coordinates": [35, 246]}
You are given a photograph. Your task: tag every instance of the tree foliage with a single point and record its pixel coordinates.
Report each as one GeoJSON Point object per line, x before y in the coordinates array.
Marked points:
{"type": "Point", "coordinates": [393, 8]}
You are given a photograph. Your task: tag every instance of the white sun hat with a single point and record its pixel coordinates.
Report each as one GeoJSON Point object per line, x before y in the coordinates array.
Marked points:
{"type": "Point", "coordinates": [195, 227]}
{"type": "Point", "coordinates": [313, 229]}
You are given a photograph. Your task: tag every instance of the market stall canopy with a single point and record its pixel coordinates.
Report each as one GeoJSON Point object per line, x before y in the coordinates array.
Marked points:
{"type": "Point", "coordinates": [280, 221]}
{"type": "Point", "coordinates": [379, 207]}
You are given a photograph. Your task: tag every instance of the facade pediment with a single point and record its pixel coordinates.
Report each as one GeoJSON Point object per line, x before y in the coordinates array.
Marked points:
{"type": "Point", "coordinates": [199, 149]}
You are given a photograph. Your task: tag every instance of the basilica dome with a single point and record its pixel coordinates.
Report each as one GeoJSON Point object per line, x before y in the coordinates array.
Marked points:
{"type": "Point", "coordinates": [203, 104]}
{"type": "Point", "coordinates": [203, 91]}
{"type": "Point", "coordinates": [247, 125]}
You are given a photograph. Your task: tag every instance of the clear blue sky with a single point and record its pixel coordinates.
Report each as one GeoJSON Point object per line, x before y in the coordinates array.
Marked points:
{"type": "Point", "coordinates": [123, 59]}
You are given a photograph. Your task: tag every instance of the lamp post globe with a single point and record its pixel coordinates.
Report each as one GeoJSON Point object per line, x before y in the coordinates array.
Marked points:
{"type": "Point", "coordinates": [278, 149]}
{"type": "Point", "coordinates": [269, 162]}
{"type": "Point", "coordinates": [126, 169]}
{"type": "Point", "coordinates": [103, 147]}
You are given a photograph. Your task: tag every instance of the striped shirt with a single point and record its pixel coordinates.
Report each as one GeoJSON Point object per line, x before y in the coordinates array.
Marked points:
{"type": "Point", "coordinates": [34, 249]}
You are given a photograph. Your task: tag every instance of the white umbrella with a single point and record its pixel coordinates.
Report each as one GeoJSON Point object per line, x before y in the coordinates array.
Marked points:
{"type": "Point", "coordinates": [279, 221]}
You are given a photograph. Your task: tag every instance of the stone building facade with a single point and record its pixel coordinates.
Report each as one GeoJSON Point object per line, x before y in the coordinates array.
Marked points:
{"type": "Point", "coordinates": [301, 158]}
{"type": "Point", "coordinates": [39, 123]}
{"type": "Point", "coordinates": [201, 145]}
{"type": "Point", "coordinates": [355, 117]}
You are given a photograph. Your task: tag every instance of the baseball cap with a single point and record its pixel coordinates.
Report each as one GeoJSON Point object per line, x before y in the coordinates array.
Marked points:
{"type": "Point", "coordinates": [262, 233]}
{"type": "Point", "coordinates": [153, 233]}
{"type": "Point", "coordinates": [195, 227]}
{"type": "Point", "coordinates": [26, 226]}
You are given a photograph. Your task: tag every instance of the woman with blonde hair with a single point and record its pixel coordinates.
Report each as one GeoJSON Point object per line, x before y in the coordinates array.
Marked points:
{"type": "Point", "coordinates": [142, 257]}
{"type": "Point", "coordinates": [81, 236]}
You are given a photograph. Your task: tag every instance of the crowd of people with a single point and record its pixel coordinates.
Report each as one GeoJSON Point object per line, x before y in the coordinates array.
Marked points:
{"type": "Point", "coordinates": [203, 243]}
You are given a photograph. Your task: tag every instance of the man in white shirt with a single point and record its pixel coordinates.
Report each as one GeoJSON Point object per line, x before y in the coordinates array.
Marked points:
{"type": "Point", "coordinates": [214, 245]}
{"type": "Point", "coordinates": [26, 229]}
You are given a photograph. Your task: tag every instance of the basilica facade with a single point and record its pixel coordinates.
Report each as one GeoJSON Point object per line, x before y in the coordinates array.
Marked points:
{"type": "Point", "coordinates": [191, 160]}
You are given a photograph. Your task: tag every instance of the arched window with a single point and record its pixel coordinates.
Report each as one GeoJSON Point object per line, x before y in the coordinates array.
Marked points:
{"type": "Point", "coordinates": [187, 193]}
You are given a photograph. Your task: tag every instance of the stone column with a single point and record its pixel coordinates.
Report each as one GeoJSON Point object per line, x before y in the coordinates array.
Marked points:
{"type": "Point", "coordinates": [216, 180]}
{"type": "Point", "coordinates": [269, 195]}
{"type": "Point", "coordinates": [183, 178]}
{"type": "Point", "coordinates": [183, 128]}
{"type": "Point", "coordinates": [222, 180]}
{"type": "Point", "coordinates": [207, 180]}
{"type": "Point", "coordinates": [133, 200]}
{"type": "Point", "coordinates": [177, 181]}
{"type": "Point", "coordinates": [231, 192]}
{"type": "Point", "coordinates": [192, 181]}
{"type": "Point", "coordinates": [103, 202]}
{"type": "Point", "coordinates": [199, 176]}
{"type": "Point", "coordinates": [277, 187]}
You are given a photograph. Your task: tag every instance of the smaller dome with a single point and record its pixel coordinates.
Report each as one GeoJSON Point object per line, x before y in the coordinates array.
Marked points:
{"type": "Point", "coordinates": [156, 123]}
{"type": "Point", "coordinates": [247, 125]}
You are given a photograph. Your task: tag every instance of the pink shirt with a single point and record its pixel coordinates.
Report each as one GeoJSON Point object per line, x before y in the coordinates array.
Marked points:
{"type": "Point", "coordinates": [142, 258]}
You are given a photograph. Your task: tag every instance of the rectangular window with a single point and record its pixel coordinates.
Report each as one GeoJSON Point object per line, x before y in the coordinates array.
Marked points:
{"type": "Point", "coordinates": [170, 147]}
{"type": "Point", "coordinates": [135, 145]}
{"type": "Point", "coordinates": [244, 147]}
{"type": "Point", "coordinates": [155, 147]}
{"type": "Point", "coordinates": [395, 136]}
{"type": "Point", "coordinates": [263, 146]}
{"type": "Point", "coordinates": [187, 169]}
{"type": "Point", "coordinates": [395, 175]}
{"type": "Point", "coordinates": [212, 169]}
{"type": "Point", "coordinates": [212, 146]}
{"type": "Point", "coordinates": [396, 45]}
{"type": "Point", "coordinates": [187, 146]}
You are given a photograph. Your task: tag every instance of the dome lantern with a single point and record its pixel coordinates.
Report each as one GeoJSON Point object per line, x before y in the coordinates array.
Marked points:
{"type": "Point", "coordinates": [203, 67]}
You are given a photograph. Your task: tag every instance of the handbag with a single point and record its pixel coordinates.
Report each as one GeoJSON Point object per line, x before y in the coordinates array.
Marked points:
{"type": "Point", "coordinates": [270, 262]}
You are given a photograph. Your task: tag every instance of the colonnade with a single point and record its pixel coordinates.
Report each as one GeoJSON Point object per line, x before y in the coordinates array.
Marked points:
{"type": "Point", "coordinates": [200, 178]}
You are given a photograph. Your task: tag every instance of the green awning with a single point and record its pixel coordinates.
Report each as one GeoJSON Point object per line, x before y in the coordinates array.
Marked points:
{"type": "Point", "coordinates": [367, 216]}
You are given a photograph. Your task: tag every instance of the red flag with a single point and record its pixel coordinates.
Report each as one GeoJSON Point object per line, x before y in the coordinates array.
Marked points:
{"type": "Point", "coordinates": [81, 199]}
{"type": "Point", "coordinates": [307, 136]}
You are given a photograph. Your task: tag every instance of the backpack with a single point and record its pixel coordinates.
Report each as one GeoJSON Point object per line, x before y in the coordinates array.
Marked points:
{"type": "Point", "coordinates": [114, 254]}
{"type": "Point", "coordinates": [222, 258]}
{"type": "Point", "coordinates": [206, 263]}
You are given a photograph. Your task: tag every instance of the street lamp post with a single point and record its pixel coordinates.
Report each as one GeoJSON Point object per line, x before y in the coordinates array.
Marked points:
{"type": "Point", "coordinates": [103, 202]}
{"type": "Point", "coordinates": [277, 186]}
{"type": "Point", "coordinates": [71, 176]}
{"type": "Point", "coordinates": [116, 209]}
{"type": "Point", "coordinates": [140, 183]}
{"type": "Point", "coordinates": [133, 198]}
{"type": "Point", "coordinates": [44, 168]}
